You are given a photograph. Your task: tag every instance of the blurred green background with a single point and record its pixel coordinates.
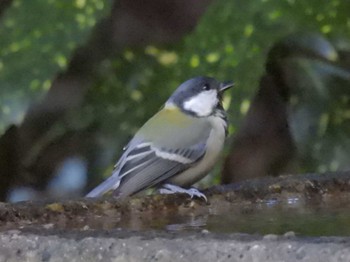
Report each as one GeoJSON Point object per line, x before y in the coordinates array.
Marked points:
{"type": "Point", "coordinates": [129, 77]}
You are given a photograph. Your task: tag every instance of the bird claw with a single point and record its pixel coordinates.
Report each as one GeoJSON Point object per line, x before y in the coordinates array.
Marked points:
{"type": "Point", "coordinates": [172, 189]}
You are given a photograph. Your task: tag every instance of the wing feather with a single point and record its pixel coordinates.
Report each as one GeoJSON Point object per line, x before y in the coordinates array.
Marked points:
{"type": "Point", "coordinates": [152, 165]}
{"type": "Point", "coordinates": [145, 164]}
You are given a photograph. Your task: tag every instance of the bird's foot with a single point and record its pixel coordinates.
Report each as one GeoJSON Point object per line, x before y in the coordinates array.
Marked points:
{"type": "Point", "coordinates": [172, 189]}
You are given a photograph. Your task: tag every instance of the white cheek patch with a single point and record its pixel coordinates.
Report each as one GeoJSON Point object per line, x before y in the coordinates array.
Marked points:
{"type": "Point", "coordinates": [202, 104]}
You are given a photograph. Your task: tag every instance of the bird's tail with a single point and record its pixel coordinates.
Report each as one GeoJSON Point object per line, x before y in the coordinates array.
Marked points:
{"type": "Point", "coordinates": [110, 183]}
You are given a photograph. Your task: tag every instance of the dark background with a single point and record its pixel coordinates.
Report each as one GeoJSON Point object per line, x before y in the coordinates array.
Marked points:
{"type": "Point", "coordinates": [77, 79]}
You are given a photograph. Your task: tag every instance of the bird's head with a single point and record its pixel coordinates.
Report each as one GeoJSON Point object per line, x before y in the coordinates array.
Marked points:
{"type": "Point", "coordinates": [200, 96]}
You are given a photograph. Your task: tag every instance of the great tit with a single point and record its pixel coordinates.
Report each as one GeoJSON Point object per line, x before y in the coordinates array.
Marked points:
{"type": "Point", "coordinates": [177, 147]}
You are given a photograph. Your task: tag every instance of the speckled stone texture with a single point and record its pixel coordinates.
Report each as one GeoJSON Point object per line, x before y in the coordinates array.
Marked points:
{"type": "Point", "coordinates": [20, 246]}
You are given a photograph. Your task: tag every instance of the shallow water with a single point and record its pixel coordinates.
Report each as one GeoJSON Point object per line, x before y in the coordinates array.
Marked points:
{"type": "Point", "coordinates": [308, 205]}
{"type": "Point", "coordinates": [265, 217]}
{"type": "Point", "coordinates": [279, 218]}
{"type": "Point", "coordinates": [304, 218]}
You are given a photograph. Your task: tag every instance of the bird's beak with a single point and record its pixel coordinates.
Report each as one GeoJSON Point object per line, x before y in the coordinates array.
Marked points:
{"type": "Point", "coordinates": [226, 85]}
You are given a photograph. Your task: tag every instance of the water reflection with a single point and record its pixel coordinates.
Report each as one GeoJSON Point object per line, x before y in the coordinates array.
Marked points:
{"type": "Point", "coordinates": [305, 217]}
{"type": "Point", "coordinates": [271, 202]}
{"type": "Point", "coordinates": [193, 223]}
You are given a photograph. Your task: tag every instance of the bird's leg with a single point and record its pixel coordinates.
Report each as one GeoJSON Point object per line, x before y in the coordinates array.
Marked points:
{"type": "Point", "coordinates": [172, 189]}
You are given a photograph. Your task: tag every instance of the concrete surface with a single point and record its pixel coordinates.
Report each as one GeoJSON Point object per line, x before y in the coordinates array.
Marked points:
{"type": "Point", "coordinates": [205, 246]}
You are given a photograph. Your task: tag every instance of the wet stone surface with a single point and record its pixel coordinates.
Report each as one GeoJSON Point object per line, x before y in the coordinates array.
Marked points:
{"type": "Point", "coordinates": [292, 213]}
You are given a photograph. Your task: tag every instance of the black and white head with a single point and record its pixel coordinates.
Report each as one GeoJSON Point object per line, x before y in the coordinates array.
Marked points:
{"type": "Point", "coordinates": [200, 96]}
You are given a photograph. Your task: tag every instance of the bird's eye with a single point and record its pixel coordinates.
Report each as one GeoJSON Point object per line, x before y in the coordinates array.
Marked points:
{"type": "Point", "coordinates": [206, 87]}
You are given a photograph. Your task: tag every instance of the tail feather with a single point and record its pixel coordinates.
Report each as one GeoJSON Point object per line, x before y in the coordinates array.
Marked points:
{"type": "Point", "coordinates": [110, 183]}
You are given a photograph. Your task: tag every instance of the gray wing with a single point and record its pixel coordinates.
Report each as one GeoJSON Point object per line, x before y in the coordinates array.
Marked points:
{"type": "Point", "coordinates": [145, 165]}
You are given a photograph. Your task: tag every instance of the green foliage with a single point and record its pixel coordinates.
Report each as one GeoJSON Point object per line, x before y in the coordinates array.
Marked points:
{"type": "Point", "coordinates": [36, 41]}
{"type": "Point", "coordinates": [230, 43]}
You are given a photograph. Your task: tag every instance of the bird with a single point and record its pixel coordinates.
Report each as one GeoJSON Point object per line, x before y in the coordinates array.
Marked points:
{"type": "Point", "coordinates": [176, 147]}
